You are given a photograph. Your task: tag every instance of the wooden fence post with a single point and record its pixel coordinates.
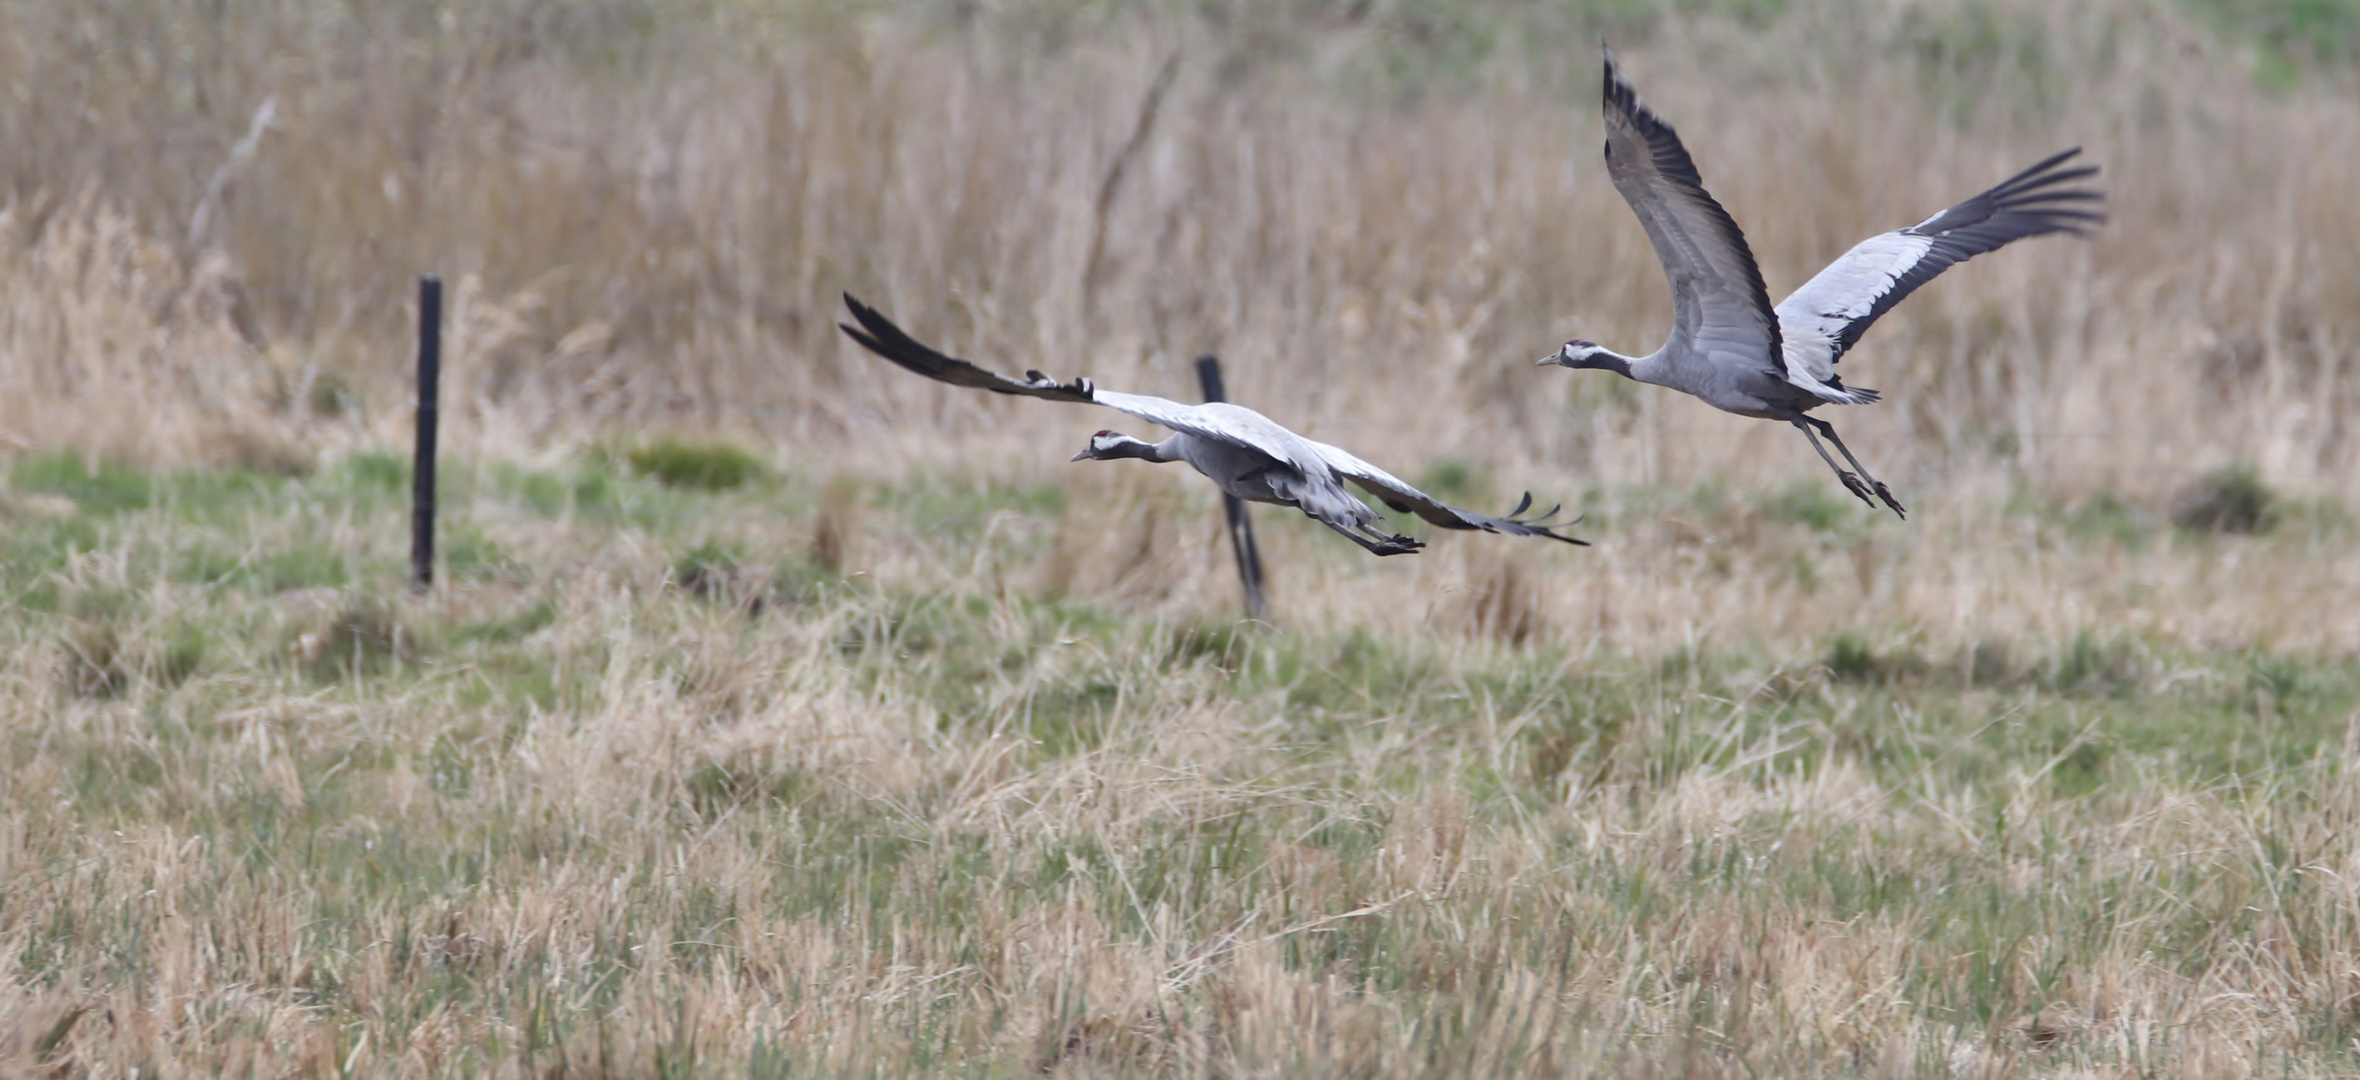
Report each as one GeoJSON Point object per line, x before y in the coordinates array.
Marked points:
{"type": "Point", "coordinates": [1241, 528]}
{"type": "Point", "coordinates": [422, 472]}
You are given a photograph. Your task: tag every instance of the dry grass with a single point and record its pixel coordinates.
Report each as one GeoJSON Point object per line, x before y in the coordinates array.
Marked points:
{"type": "Point", "coordinates": [573, 812]}
{"type": "Point", "coordinates": [922, 750]}
{"type": "Point", "coordinates": [657, 214]}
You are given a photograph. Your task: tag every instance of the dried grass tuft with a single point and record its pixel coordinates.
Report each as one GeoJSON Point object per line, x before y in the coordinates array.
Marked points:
{"type": "Point", "coordinates": [835, 532]}
{"type": "Point", "coordinates": [1505, 601]}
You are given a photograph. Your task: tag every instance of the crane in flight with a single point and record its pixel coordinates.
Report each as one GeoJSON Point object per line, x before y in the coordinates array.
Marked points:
{"type": "Point", "coordinates": [1247, 454]}
{"type": "Point", "coordinates": [1728, 346]}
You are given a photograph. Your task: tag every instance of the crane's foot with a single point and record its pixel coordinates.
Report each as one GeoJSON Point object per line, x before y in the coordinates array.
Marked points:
{"type": "Point", "coordinates": [1397, 545]}
{"type": "Point", "coordinates": [1886, 494]}
{"type": "Point", "coordinates": [1859, 490]}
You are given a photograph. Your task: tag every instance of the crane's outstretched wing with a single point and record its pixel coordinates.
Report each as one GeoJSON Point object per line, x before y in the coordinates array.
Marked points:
{"type": "Point", "coordinates": [1218, 421]}
{"type": "Point", "coordinates": [1718, 302]}
{"type": "Point", "coordinates": [1402, 498]}
{"type": "Point", "coordinates": [1226, 423]}
{"type": "Point", "coordinates": [880, 336]}
{"type": "Point", "coordinates": [1830, 312]}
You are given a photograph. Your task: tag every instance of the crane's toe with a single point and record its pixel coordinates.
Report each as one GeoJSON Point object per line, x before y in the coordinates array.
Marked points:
{"type": "Point", "coordinates": [1886, 494]}
{"type": "Point", "coordinates": [1859, 490]}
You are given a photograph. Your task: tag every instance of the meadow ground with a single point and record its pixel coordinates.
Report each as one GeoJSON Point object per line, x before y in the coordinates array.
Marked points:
{"type": "Point", "coordinates": [778, 714]}
{"type": "Point", "coordinates": [657, 784]}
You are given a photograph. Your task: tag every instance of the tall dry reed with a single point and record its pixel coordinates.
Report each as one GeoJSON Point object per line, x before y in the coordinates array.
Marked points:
{"type": "Point", "coordinates": [659, 207]}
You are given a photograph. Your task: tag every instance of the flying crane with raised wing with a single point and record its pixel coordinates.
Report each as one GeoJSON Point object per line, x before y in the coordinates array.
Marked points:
{"type": "Point", "coordinates": [1729, 346]}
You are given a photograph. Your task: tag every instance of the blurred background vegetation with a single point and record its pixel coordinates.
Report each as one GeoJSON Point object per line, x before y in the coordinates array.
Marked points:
{"type": "Point", "coordinates": [650, 208]}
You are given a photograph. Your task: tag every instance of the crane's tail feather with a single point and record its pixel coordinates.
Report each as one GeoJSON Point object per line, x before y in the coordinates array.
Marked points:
{"type": "Point", "coordinates": [1835, 393]}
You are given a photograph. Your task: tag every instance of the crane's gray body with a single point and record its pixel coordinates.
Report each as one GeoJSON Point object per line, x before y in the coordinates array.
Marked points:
{"type": "Point", "coordinates": [1250, 456]}
{"type": "Point", "coordinates": [1726, 376]}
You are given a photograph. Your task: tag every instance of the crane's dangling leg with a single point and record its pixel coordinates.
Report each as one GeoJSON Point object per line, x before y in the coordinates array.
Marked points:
{"type": "Point", "coordinates": [1338, 511]}
{"type": "Point", "coordinates": [1361, 532]}
{"type": "Point", "coordinates": [1380, 543]}
{"type": "Point", "coordinates": [1884, 493]}
{"type": "Point", "coordinates": [1853, 482]}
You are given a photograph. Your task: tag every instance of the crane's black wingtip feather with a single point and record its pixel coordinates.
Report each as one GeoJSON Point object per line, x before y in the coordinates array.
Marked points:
{"type": "Point", "coordinates": [1552, 533]}
{"type": "Point", "coordinates": [867, 342]}
{"type": "Point", "coordinates": [877, 324]}
{"type": "Point", "coordinates": [1620, 95]}
{"type": "Point", "coordinates": [878, 334]}
{"type": "Point", "coordinates": [898, 353]}
{"type": "Point", "coordinates": [1518, 523]}
{"type": "Point", "coordinates": [880, 330]}
{"type": "Point", "coordinates": [2044, 174]}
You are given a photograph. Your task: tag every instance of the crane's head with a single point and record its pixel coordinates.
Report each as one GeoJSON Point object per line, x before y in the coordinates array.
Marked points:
{"type": "Point", "coordinates": [1576, 354]}
{"type": "Point", "coordinates": [1107, 444]}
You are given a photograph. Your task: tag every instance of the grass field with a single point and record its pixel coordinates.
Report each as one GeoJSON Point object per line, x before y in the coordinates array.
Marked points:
{"type": "Point", "coordinates": [777, 714]}
{"type": "Point", "coordinates": [653, 787]}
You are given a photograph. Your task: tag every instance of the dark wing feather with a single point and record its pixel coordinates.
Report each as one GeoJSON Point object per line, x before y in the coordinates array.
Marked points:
{"type": "Point", "coordinates": [878, 334]}
{"type": "Point", "coordinates": [1402, 498]}
{"type": "Point", "coordinates": [1234, 425]}
{"type": "Point", "coordinates": [1842, 301]}
{"type": "Point", "coordinates": [1717, 292]}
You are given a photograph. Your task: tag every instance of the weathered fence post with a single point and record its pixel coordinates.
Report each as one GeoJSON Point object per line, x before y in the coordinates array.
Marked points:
{"type": "Point", "coordinates": [422, 472]}
{"type": "Point", "coordinates": [1241, 528]}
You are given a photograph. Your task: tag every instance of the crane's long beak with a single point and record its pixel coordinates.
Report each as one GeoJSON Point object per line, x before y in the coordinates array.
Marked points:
{"type": "Point", "coordinates": [1553, 358]}
{"type": "Point", "coordinates": [1077, 457]}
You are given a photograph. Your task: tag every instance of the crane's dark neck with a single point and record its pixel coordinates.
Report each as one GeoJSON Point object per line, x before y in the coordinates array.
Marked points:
{"type": "Point", "coordinates": [1591, 355]}
{"type": "Point", "coordinates": [1167, 450]}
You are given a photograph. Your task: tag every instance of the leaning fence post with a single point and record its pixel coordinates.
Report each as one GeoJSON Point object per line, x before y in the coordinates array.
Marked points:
{"type": "Point", "coordinates": [1241, 528]}
{"type": "Point", "coordinates": [422, 471]}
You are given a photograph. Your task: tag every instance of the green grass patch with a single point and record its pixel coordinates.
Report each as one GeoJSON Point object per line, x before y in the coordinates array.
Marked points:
{"type": "Point", "coordinates": [588, 490]}
{"type": "Point", "coordinates": [696, 465]}
{"type": "Point", "coordinates": [96, 487]}
{"type": "Point", "coordinates": [371, 475]}
{"type": "Point", "coordinates": [1816, 505]}
{"type": "Point", "coordinates": [1454, 481]}
{"type": "Point", "coordinates": [962, 506]}
{"type": "Point", "coordinates": [2232, 501]}
{"type": "Point", "coordinates": [2110, 517]}
{"type": "Point", "coordinates": [2293, 38]}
